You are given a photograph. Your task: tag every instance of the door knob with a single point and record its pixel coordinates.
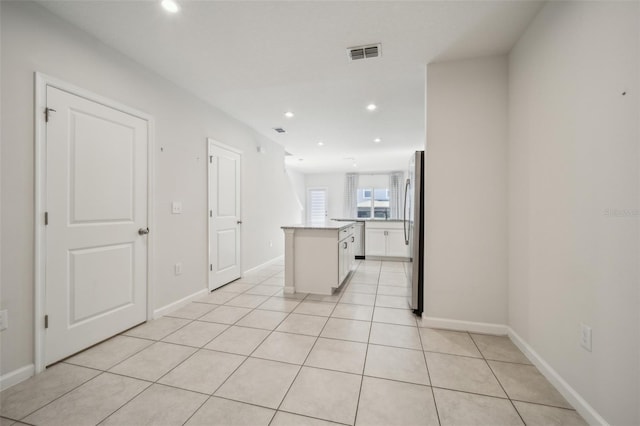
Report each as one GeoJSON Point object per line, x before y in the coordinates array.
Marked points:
{"type": "Point", "coordinates": [239, 222]}
{"type": "Point", "coordinates": [143, 231]}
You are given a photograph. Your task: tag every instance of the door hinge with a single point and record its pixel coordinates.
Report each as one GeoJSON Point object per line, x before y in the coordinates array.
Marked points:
{"type": "Point", "coordinates": [211, 158]}
{"type": "Point", "coordinates": [210, 213]}
{"type": "Point", "coordinates": [47, 111]}
{"type": "Point", "coordinates": [211, 267]}
{"type": "Point", "coordinates": [46, 321]}
{"type": "Point", "coordinates": [46, 218]}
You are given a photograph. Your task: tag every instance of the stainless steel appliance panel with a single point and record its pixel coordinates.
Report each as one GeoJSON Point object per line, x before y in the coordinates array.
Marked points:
{"type": "Point", "coordinates": [414, 229]}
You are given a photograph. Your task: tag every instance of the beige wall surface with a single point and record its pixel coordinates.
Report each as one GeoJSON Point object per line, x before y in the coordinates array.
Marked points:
{"type": "Point", "coordinates": [465, 191]}
{"type": "Point", "coordinates": [573, 198]}
{"type": "Point", "coordinates": [34, 40]}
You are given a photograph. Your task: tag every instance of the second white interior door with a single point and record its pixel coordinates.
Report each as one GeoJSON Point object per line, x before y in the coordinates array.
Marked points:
{"type": "Point", "coordinates": [225, 220]}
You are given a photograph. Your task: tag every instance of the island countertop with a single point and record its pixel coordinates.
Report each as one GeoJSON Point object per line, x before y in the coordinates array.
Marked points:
{"type": "Point", "coordinates": [327, 224]}
{"type": "Point", "coordinates": [369, 219]}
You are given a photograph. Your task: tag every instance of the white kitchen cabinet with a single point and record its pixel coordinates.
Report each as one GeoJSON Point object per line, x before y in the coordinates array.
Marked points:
{"type": "Point", "coordinates": [396, 246]}
{"type": "Point", "coordinates": [385, 239]}
{"type": "Point", "coordinates": [318, 256]}
{"type": "Point", "coordinates": [346, 256]}
{"type": "Point", "coordinates": [375, 241]}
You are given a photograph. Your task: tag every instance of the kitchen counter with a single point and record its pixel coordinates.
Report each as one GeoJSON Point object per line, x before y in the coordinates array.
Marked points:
{"type": "Point", "coordinates": [362, 219]}
{"type": "Point", "coordinates": [327, 224]}
{"type": "Point", "coordinates": [318, 256]}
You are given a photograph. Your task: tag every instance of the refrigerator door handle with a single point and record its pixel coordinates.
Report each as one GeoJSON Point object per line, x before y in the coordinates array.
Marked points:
{"type": "Point", "coordinates": [404, 213]}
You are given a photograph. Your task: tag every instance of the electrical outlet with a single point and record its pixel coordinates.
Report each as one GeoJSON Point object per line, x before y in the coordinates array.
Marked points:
{"type": "Point", "coordinates": [4, 320]}
{"type": "Point", "coordinates": [585, 337]}
{"type": "Point", "coordinates": [176, 207]}
{"type": "Point", "coordinates": [178, 268]}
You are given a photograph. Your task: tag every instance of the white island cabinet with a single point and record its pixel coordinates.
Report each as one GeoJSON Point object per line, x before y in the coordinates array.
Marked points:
{"type": "Point", "coordinates": [318, 257]}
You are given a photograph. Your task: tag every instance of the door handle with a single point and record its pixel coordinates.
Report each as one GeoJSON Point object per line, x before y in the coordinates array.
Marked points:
{"type": "Point", "coordinates": [345, 244]}
{"type": "Point", "coordinates": [239, 222]}
{"type": "Point", "coordinates": [143, 231]}
{"type": "Point", "coordinates": [404, 213]}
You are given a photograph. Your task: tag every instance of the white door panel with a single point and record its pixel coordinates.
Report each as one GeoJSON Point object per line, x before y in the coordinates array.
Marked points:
{"type": "Point", "coordinates": [96, 199]}
{"type": "Point", "coordinates": [225, 167]}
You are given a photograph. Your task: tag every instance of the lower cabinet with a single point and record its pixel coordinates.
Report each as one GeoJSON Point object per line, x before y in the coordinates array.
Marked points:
{"type": "Point", "coordinates": [375, 241]}
{"type": "Point", "coordinates": [385, 239]}
{"type": "Point", "coordinates": [346, 257]}
{"type": "Point", "coordinates": [318, 259]}
{"type": "Point", "coordinates": [396, 246]}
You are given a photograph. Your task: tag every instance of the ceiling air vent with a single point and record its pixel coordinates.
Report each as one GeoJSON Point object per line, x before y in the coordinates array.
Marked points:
{"type": "Point", "coordinates": [365, 52]}
{"type": "Point", "coordinates": [279, 130]}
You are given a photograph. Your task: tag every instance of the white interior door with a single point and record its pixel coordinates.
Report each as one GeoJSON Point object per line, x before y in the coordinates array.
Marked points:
{"type": "Point", "coordinates": [96, 202]}
{"type": "Point", "coordinates": [225, 165]}
{"type": "Point", "coordinates": [316, 204]}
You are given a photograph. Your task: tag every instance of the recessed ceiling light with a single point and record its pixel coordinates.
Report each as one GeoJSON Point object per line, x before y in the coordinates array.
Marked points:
{"type": "Point", "coordinates": [288, 114]}
{"type": "Point", "coordinates": [371, 107]}
{"type": "Point", "coordinates": [170, 6]}
{"type": "Point", "coordinates": [320, 143]}
{"type": "Point", "coordinates": [377, 140]}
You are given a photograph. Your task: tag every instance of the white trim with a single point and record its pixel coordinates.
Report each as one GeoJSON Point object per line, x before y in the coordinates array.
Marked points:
{"type": "Point", "coordinates": [41, 83]}
{"type": "Point", "coordinates": [474, 327]}
{"type": "Point", "coordinates": [262, 265]}
{"type": "Point", "coordinates": [210, 142]}
{"type": "Point", "coordinates": [223, 146]}
{"type": "Point", "coordinates": [16, 376]}
{"type": "Point", "coordinates": [590, 415]}
{"type": "Point", "coordinates": [174, 306]}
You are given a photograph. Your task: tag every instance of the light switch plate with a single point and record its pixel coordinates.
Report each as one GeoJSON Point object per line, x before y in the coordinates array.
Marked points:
{"type": "Point", "coordinates": [176, 207]}
{"type": "Point", "coordinates": [585, 337]}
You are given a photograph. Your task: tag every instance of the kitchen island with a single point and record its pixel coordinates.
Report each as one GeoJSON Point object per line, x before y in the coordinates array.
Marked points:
{"type": "Point", "coordinates": [318, 256]}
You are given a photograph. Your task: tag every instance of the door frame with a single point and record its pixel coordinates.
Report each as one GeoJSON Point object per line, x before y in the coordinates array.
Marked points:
{"type": "Point", "coordinates": [211, 141]}
{"type": "Point", "coordinates": [42, 81]}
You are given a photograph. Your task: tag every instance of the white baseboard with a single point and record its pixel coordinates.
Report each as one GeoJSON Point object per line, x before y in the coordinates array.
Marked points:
{"type": "Point", "coordinates": [267, 263]}
{"type": "Point", "coordinates": [458, 325]}
{"type": "Point", "coordinates": [16, 376]}
{"type": "Point", "coordinates": [590, 415]}
{"type": "Point", "coordinates": [174, 306]}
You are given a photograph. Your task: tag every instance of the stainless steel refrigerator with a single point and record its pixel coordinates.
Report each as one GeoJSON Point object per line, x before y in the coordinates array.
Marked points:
{"type": "Point", "coordinates": [413, 216]}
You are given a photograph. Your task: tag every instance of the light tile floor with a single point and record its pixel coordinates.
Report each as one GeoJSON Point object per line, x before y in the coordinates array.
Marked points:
{"type": "Point", "coordinates": [247, 354]}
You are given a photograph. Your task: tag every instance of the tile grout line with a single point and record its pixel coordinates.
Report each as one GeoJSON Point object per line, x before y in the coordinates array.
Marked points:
{"type": "Point", "coordinates": [424, 356]}
{"type": "Point", "coordinates": [366, 353]}
{"type": "Point", "coordinates": [239, 365]}
{"type": "Point", "coordinates": [305, 359]}
{"type": "Point", "coordinates": [155, 382]}
{"type": "Point", "coordinates": [497, 380]}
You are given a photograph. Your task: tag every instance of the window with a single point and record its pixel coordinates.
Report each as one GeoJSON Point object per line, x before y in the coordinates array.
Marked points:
{"type": "Point", "coordinates": [316, 204]}
{"type": "Point", "coordinates": [373, 203]}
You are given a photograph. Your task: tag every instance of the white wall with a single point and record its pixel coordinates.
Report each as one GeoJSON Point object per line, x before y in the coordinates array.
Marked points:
{"type": "Point", "coordinates": [297, 181]}
{"type": "Point", "coordinates": [465, 191]}
{"type": "Point", "coordinates": [34, 40]}
{"type": "Point", "coordinates": [573, 154]}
